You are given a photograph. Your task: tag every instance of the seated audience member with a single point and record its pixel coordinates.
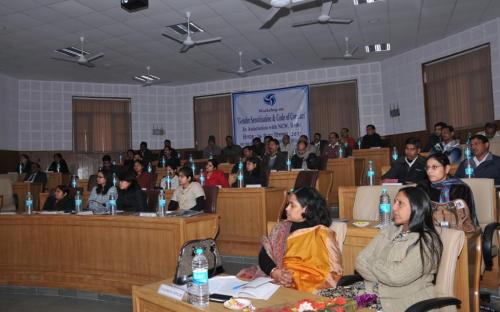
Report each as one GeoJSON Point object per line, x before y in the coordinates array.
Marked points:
{"type": "Point", "coordinates": [61, 200]}
{"type": "Point", "coordinates": [267, 138]}
{"type": "Point", "coordinates": [36, 175]}
{"type": "Point", "coordinates": [259, 148]}
{"type": "Point", "coordinates": [174, 151]}
{"type": "Point", "coordinates": [435, 137]}
{"type": "Point", "coordinates": [442, 188]}
{"type": "Point", "coordinates": [251, 173]}
{"type": "Point", "coordinates": [299, 160]}
{"type": "Point", "coordinates": [107, 164]}
{"type": "Point", "coordinates": [174, 178]}
{"type": "Point", "coordinates": [332, 148]}
{"type": "Point", "coordinates": [168, 158]}
{"type": "Point", "coordinates": [143, 178]}
{"type": "Point", "coordinates": [58, 160]}
{"type": "Point", "coordinates": [485, 164]}
{"type": "Point", "coordinates": [448, 145]}
{"type": "Point", "coordinates": [189, 195]}
{"type": "Point", "coordinates": [214, 177]}
{"type": "Point", "coordinates": [409, 168]}
{"type": "Point", "coordinates": [146, 154]}
{"type": "Point", "coordinates": [24, 165]}
{"type": "Point", "coordinates": [305, 139]}
{"type": "Point", "coordinates": [130, 196]}
{"type": "Point", "coordinates": [286, 147]}
{"type": "Point", "coordinates": [347, 138]}
{"type": "Point", "coordinates": [247, 152]}
{"type": "Point", "coordinates": [371, 138]}
{"type": "Point", "coordinates": [274, 160]}
{"type": "Point", "coordinates": [301, 252]}
{"type": "Point", "coordinates": [137, 156]}
{"type": "Point", "coordinates": [231, 153]}
{"type": "Point", "coordinates": [400, 263]}
{"type": "Point", "coordinates": [212, 149]}
{"type": "Point", "coordinates": [490, 131]}
{"type": "Point", "coordinates": [128, 163]}
{"type": "Point", "coordinates": [100, 193]}
{"type": "Point", "coordinates": [318, 144]}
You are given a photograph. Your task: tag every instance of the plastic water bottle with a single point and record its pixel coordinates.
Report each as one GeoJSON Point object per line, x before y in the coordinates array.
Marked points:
{"type": "Point", "coordinates": [58, 167]}
{"type": "Point", "coordinates": [113, 162]}
{"type": "Point", "coordinates": [112, 204]}
{"type": "Point", "coordinates": [150, 168]}
{"type": "Point", "coordinates": [115, 180]}
{"type": "Point", "coordinates": [20, 169]}
{"type": "Point", "coordinates": [190, 159]}
{"type": "Point", "coordinates": [29, 203]}
{"type": "Point", "coordinates": [169, 181]}
{"type": "Point", "coordinates": [162, 161]}
{"type": "Point", "coordinates": [289, 164]}
{"type": "Point", "coordinates": [78, 202]}
{"type": "Point", "coordinates": [341, 150]}
{"type": "Point", "coordinates": [162, 203]}
{"type": "Point", "coordinates": [193, 167]}
{"type": "Point", "coordinates": [395, 154]}
{"type": "Point", "coordinates": [239, 176]}
{"type": "Point", "coordinates": [385, 208]}
{"type": "Point", "coordinates": [469, 169]}
{"type": "Point", "coordinates": [199, 288]}
{"type": "Point", "coordinates": [120, 158]}
{"type": "Point", "coordinates": [210, 156]}
{"type": "Point", "coordinates": [74, 181]}
{"type": "Point", "coordinates": [468, 152]}
{"type": "Point", "coordinates": [371, 173]}
{"type": "Point", "coordinates": [202, 177]}
{"type": "Point", "coordinates": [359, 143]}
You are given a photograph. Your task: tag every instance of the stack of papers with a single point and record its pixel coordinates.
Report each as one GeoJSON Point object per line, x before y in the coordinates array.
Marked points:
{"type": "Point", "coordinates": [259, 288]}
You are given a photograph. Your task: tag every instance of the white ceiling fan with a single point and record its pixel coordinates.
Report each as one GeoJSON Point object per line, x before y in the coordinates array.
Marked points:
{"type": "Point", "coordinates": [241, 71]}
{"type": "Point", "coordinates": [188, 43]}
{"type": "Point", "coordinates": [348, 54]}
{"type": "Point", "coordinates": [275, 6]}
{"type": "Point", "coordinates": [324, 17]}
{"type": "Point", "coordinates": [148, 79]}
{"type": "Point", "coordinates": [82, 58]}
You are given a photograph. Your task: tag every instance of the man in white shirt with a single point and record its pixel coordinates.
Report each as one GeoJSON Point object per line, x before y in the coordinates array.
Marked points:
{"type": "Point", "coordinates": [286, 146]}
{"type": "Point", "coordinates": [490, 131]}
{"type": "Point", "coordinates": [485, 164]}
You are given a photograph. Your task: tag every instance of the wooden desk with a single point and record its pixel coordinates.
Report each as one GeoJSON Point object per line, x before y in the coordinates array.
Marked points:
{"type": "Point", "coordinates": [43, 198]}
{"type": "Point", "coordinates": [286, 180]}
{"type": "Point", "coordinates": [106, 254]}
{"type": "Point", "coordinates": [84, 184]}
{"type": "Point", "coordinates": [146, 299]}
{"type": "Point", "coordinates": [57, 178]}
{"type": "Point", "coordinates": [243, 218]}
{"type": "Point", "coordinates": [379, 156]}
{"type": "Point", "coordinates": [346, 172]}
{"type": "Point", "coordinates": [358, 238]}
{"type": "Point", "coordinates": [21, 188]}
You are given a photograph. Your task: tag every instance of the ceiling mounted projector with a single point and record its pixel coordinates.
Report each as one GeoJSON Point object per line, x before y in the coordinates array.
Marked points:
{"type": "Point", "coordinates": [134, 5]}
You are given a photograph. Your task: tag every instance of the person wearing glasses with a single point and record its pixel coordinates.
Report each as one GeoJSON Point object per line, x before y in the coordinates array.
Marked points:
{"type": "Point", "coordinates": [99, 195]}
{"type": "Point", "coordinates": [442, 188]}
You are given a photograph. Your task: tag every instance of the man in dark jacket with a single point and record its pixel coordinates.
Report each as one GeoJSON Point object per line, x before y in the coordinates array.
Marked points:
{"type": "Point", "coordinates": [275, 160]}
{"type": "Point", "coordinates": [485, 164]}
{"type": "Point", "coordinates": [435, 137]}
{"type": "Point", "coordinates": [36, 175]}
{"type": "Point", "coordinates": [409, 168]}
{"type": "Point", "coordinates": [371, 138]}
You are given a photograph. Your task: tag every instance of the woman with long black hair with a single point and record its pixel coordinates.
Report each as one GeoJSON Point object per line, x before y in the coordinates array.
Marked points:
{"type": "Point", "coordinates": [99, 196]}
{"type": "Point", "coordinates": [399, 264]}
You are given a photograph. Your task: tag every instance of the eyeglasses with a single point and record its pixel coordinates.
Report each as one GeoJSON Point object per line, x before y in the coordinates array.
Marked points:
{"type": "Point", "coordinates": [433, 167]}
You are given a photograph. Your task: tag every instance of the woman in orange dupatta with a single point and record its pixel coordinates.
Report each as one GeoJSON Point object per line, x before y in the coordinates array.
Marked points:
{"type": "Point", "coordinates": [301, 252]}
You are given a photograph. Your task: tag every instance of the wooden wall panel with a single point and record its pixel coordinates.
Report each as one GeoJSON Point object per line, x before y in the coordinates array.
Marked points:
{"type": "Point", "coordinates": [9, 161]}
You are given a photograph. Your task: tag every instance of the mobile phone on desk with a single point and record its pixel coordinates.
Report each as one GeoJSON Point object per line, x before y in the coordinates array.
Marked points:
{"type": "Point", "coordinates": [219, 298]}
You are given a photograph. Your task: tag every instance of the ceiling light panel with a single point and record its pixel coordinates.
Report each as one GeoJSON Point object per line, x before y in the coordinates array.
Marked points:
{"type": "Point", "coordinates": [378, 47]}
{"type": "Point", "coordinates": [181, 29]}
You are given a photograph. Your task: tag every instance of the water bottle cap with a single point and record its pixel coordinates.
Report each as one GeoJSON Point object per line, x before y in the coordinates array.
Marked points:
{"type": "Point", "coordinates": [198, 251]}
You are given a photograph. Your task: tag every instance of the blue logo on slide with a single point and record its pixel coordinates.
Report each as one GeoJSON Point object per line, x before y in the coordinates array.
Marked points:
{"type": "Point", "coordinates": [270, 99]}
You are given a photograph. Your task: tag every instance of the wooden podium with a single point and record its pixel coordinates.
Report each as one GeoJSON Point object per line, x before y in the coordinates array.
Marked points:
{"type": "Point", "coordinates": [379, 156]}
{"type": "Point", "coordinates": [346, 172]}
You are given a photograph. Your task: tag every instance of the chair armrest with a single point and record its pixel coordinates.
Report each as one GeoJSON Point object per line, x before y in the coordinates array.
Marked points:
{"type": "Point", "coordinates": [434, 303]}
{"type": "Point", "coordinates": [489, 231]}
{"type": "Point", "coordinates": [347, 280]}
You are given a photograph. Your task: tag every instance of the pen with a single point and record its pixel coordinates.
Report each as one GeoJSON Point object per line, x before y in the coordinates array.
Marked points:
{"type": "Point", "coordinates": [239, 286]}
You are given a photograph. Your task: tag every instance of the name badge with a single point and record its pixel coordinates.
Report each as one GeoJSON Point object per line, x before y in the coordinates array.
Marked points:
{"type": "Point", "coordinates": [445, 224]}
{"type": "Point", "coordinates": [171, 291]}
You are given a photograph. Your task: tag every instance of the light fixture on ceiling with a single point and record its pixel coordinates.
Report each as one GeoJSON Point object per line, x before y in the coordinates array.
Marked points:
{"type": "Point", "coordinates": [78, 56]}
{"type": "Point", "coordinates": [378, 47]}
{"type": "Point", "coordinates": [149, 79]}
{"type": "Point", "coordinates": [358, 2]}
{"type": "Point", "coordinates": [182, 28]}
{"type": "Point", "coordinates": [262, 61]}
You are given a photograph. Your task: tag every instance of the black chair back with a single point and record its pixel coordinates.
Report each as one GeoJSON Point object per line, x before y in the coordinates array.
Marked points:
{"type": "Point", "coordinates": [306, 178]}
{"type": "Point", "coordinates": [211, 193]}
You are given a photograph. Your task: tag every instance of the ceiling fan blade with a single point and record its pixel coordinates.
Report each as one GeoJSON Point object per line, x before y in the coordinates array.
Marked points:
{"type": "Point", "coordinates": [354, 58]}
{"type": "Point", "coordinates": [185, 48]}
{"type": "Point", "coordinates": [226, 71]}
{"type": "Point", "coordinates": [304, 23]}
{"type": "Point", "coordinates": [172, 38]}
{"type": "Point", "coordinates": [354, 50]}
{"type": "Point", "coordinates": [95, 57]}
{"type": "Point", "coordinates": [344, 21]}
{"type": "Point", "coordinates": [326, 7]}
{"type": "Point", "coordinates": [64, 59]}
{"type": "Point", "coordinates": [210, 40]}
{"type": "Point", "coordinates": [333, 58]}
{"type": "Point", "coordinates": [253, 69]}
{"type": "Point", "coordinates": [88, 64]}
{"type": "Point", "coordinates": [161, 82]}
{"type": "Point", "coordinates": [270, 16]}
{"type": "Point", "coordinates": [262, 3]}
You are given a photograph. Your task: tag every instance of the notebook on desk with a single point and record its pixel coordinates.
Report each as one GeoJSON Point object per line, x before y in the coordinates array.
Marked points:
{"type": "Point", "coordinates": [259, 288]}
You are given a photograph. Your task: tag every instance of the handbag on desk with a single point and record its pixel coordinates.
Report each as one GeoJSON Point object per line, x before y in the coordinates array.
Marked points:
{"type": "Point", "coordinates": [184, 273]}
{"type": "Point", "coordinates": [454, 214]}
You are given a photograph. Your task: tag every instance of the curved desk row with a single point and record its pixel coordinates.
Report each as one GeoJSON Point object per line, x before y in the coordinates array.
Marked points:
{"type": "Point", "coordinates": [94, 253]}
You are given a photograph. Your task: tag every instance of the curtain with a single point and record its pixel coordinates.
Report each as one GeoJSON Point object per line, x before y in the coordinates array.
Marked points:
{"type": "Point", "coordinates": [101, 125]}
{"type": "Point", "coordinates": [332, 107]}
{"type": "Point", "coordinates": [212, 116]}
{"type": "Point", "coordinates": [458, 89]}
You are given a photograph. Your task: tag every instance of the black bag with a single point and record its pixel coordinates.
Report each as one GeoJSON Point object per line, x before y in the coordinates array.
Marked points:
{"type": "Point", "coordinates": [184, 273]}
